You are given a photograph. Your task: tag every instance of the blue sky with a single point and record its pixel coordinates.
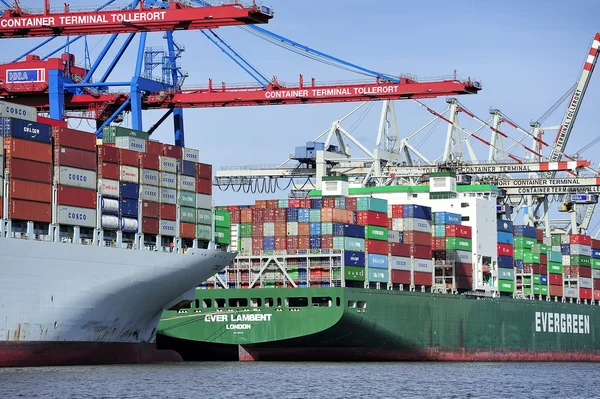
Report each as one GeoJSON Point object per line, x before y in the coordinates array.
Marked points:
{"type": "Point", "coordinates": [526, 54]}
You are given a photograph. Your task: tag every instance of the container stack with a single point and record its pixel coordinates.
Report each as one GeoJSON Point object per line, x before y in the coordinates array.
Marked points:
{"type": "Point", "coordinates": [527, 263]}
{"type": "Point", "coordinates": [167, 179]}
{"type": "Point", "coordinates": [540, 279]}
{"type": "Point", "coordinates": [596, 268]}
{"type": "Point", "coordinates": [75, 154]}
{"type": "Point", "coordinates": [149, 163]}
{"type": "Point", "coordinates": [224, 230]}
{"type": "Point", "coordinates": [28, 155]}
{"type": "Point", "coordinates": [1, 180]}
{"type": "Point", "coordinates": [351, 239]}
{"type": "Point", "coordinates": [186, 187]}
{"type": "Point", "coordinates": [453, 249]}
{"type": "Point", "coordinates": [129, 187]}
{"type": "Point", "coordinates": [577, 266]}
{"type": "Point", "coordinates": [555, 268]}
{"type": "Point", "coordinates": [400, 253]}
{"type": "Point", "coordinates": [109, 175]}
{"type": "Point", "coordinates": [372, 213]}
{"type": "Point", "coordinates": [202, 201]}
{"type": "Point", "coordinates": [506, 253]}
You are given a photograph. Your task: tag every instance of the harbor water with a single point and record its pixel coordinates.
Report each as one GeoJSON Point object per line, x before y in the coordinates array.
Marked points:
{"type": "Point", "coordinates": [305, 380]}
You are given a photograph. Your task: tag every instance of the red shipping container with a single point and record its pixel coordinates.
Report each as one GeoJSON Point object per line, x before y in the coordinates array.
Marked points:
{"type": "Point", "coordinates": [539, 235]}
{"type": "Point", "coordinates": [306, 203]}
{"type": "Point", "coordinates": [422, 278]}
{"type": "Point", "coordinates": [329, 202]}
{"type": "Point", "coordinates": [187, 230]}
{"type": "Point", "coordinates": [257, 243]}
{"type": "Point", "coordinates": [168, 212]}
{"type": "Point", "coordinates": [30, 191]}
{"type": "Point", "coordinates": [235, 215]}
{"type": "Point", "coordinates": [303, 229]}
{"type": "Point", "coordinates": [258, 230]}
{"type": "Point", "coordinates": [555, 279]}
{"type": "Point", "coordinates": [246, 215]}
{"type": "Point", "coordinates": [583, 271]}
{"type": "Point", "coordinates": [543, 269]}
{"type": "Point", "coordinates": [26, 149]}
{"type": "Point", "coordinates": [258, 215]}
{"type": "Point", "coordinates": [294, 203]}
{"type": "Point", "coordinates": [151, 209]}
{"type": "Point", "coordinates": [535, 268]}
{"type": "Point", "coordinates": [327, 241]}
{"type": "Point", "coordinates": [30, 210]}
{"type": "Point", "coordinates": [75, 158]}
{"type": "Point", "coordinates": [292, 243]}
{"type": "Point", "coordinates": [154, 147]}
{"type": "Point", "coordinates": [417, 238]}
{"type": "Point", "coordinates": [376, 247]}
{"type": "Point", "coordinates": [108, 154]}
{"type": "Point", "coordinates": [439, 243]}
{"type": "Point", "coordinates": [280, 215]}
{"type": "Point", "coordinates": [173, 151]}
{"type": "Point", "coordinates": [74, 138]}
{"type": "Point", "coordinates": [272, 204]}
{"type": "Point", "coordinates": [595, 244]}
{"type": "Point", "coordinates": [51, 122]}
{"type": "Point", "coordinates": [397, 211]}
{"type": "Point", "coordinates": [396, 249]}
{"type": "Point", "coordinates": [585, 293]}
{"type": "Point", "coordinates": [269, 214]}
{"type": "Point", "coordinates": [304, 242]}
{"type": "Point", "coordinates": [370, 218]}
{"type": "Point", "coordinates": [420, 251]}
{"type": "Point", "coordinates": [580, 239]}
{"type": "Point", "coordinates": [351, 203]}
{"type": "Point", "coordinates": [543, 259]}
{"type": "Point", "coordinates": [504, 249]}
{"type": "Point", "coordinates": [464, 282]}
{"type": "Point", "coordinates": [280, 229]}
{"type": "Point", "coordinates": [555, 290]}
{"type": "Point", "coordinates": [596, 284]}
{"type": "Point", "coordinates": [260, 204]}
{"type": "Point", "coordinates": [280, 243]}
{"type": "Point", "coordinates": [29, 170]}
{"type": "Point", "coordinates": [108, 170]}
{"type": "Point", "coordinates": [149, 225]}
{"type": "Point", "coordinates": [389, 224]}
{"type": "Point", "coordinates": [128, 157]}
{"type": "Point", "coordinates": [453, 230]}
{"type": "Point", "coordinates": [148, 161]}
{"type": "Point", "coordinates": [400, 277]}
{"type": "Point", "coordinates": [463, 269]}
{"type": "Point", "coordinates": [597, 295]}
{"type": "Point", "coordinates": [204, 170]}
{"type": "Point", "coordinates": [73, 196]}
{"type": "Point", "coordinates": [204, 186]}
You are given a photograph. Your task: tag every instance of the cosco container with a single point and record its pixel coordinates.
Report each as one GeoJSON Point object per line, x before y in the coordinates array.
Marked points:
{"type": "Point", "coordinates": [149, 193]}
{"type": "Point", "coordinates": [168, 164]}
{"type": "Point", "coordinates": [423, 265]}
{"type": "Point", "coordinates": [77, 197]}
{"type": "Point", "coordinates": [24, 129]}
{"type": "Point", "coordinates": [352, 258]}
{"type": "Point", "coordinates": [186, 198]}
{"type": "Point", "coordinates": [204, 216]}
{"type": "Point", "coordinates": [108, 188]}
{"type": "Point", "coordinates": [186, 183]}
{"type": "Point", "coordinates": [420, 225]}
{"type": "Point", "coordinates": [129, 174]}
{"type": "Point", "coordinates": [168, 180]}
{"type": "Point", "coordinates": [203, 201]}
{"type": "Point", "coordinates": [129, 225]}
{"type": "Point", "coordinates": [378, 275]}
{"type": "Point", "coordinates": [191, 155]}
{"type": "Point", "coordinates": [168, 195]}
{"type": "Point", "coordinates": [131, 143]}
{"type": "Point", "coordinates": [109, 206]}
{"type": "Point", "coordinates": [205, 233]}
{"type": "Point", "coordinates": [23, 112]}
{"type": "Point", "coordinates": [394, 236]}
{"type": "Point", "coordinates": [580, 249]}
{"type": "Point", "coordinates": [67, 176]}
{"type": "Point", "coordinates": [167, 228]}
{"type": "Point", "coordinates": [187, 215]}
{"type": "Point", "coordinates": [30, 150]}
{"type": "Point", "coordinates": [400, 263]}
{"type": "Point", "coordinates": [129, 190]}
{"type": "Point", "coordinates": [464, 256]}
{"type": "Point", "coordinates": [377, 261]}
{"type": "Point", "coordinates": [149, 177]}
{"type": "Point", "coordinates": [76, 216]}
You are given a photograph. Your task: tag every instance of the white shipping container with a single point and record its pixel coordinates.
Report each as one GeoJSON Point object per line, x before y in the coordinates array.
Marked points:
{"type": "Point", "coordinates": [580, 249]}
{"type": "Point", "coordinates": [571, 292]}
{"type": "Point", "coordinates": [269, 229]}
{"type": "Point", "coordinates": [110, 222]}
{"type": "Point", "coordinates": [423, 265]}
{"type": "Point", "coordinates": [130, 174]}
{"type": "Point", "coordinates": [389, 212]}
{"type": "Point", "coordinates": [74, 177]}
{"type": "Point", "coordinates": [129, 225]}
{"type": "Point", "coordinates": [131, 143]}
{"type": "Point", "coordinates": [75, 216]}
{"type": "Point", "coordinates": [9, 110]}
{"type": "Point", "coordinates": [246, 244]}
{"type": "Point", "coordinates": [203, 201]}
{"type": "Point", "coordinates": [464, 257]}
{"type": "Point", "coordinates": [420, 225]}
{"type": "Point", "coordinates": [186, 183]}
{"type": "Point", "coordinates": [149, 193]}
{"type": "Point", "coordinates": [149, 177]}
{"type": "Point", "coordinates": [110, 206]}
{"type": "Point", "coordinates": [400, 263]}
{"type": "Point", "coordinates": [548, 241]}
{"type": "Point", "coordinates": [191, 155]}
{"type": "Point", "coordinates": [394, 236]}
{"type": "Point", "coordinates": [398, 224]}
{"type": "Point", "coordinates": [585, 282]}
{"type": "Point", "coordinates": [168, 180]}
{"type": "Point", "coordinates": [168, 164]}
{"type": "Point", "coordinates": [566, 260]}
{"type": "Point", "coordinates": [168, 196]}
{"type": "Point", "coordinates": [292, 228]}
{"type": "Point", "coordinates": [565, 239]}
{"type": "Point", "coordinates": [596, 274]}
{"type": "Point", "coordinates": [167, 228]}
{"type": "Point", "coordinates": [108, 188]}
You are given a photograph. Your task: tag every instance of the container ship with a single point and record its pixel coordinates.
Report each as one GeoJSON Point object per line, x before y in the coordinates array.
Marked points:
{"type": "Point", "coordinates": [428, 272]}
{"type": "Point", "coordinates": [97, 238]}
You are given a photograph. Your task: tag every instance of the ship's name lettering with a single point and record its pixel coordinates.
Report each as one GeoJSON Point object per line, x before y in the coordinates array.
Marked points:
{"type": "Point", "coordinates": [223, 318]}
{"type": "Point", "coordinates": [565, 323]}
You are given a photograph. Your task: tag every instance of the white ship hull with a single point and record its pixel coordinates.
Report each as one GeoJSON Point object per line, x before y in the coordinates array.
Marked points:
{"type": "Point", "coordinates": [57, 297]}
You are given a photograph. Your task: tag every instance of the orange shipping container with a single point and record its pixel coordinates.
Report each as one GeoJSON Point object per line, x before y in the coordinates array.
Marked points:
{"type": "Point", "coordinates": [260, 204]}
{"type": "Point", "coordinates": [303, 230]}
{"type": "Point", "coordinates": [280, 229]}
{"type": "Point", "coordinates": [597, 295]}
{"type": "Point", "coordinates": [326, 214]}
{"type": "Point", "coordinates": [246, 215]}
{"type": "Point", "coordinates": [280, 243]}
{"type": "Point", "coordinates": [30, 210]}
{"type": "Point", "coordinates": [30, 150]}
{"type": "Point", "coordinates": [555, 290]}
{"type": "Point", "coordinates": [187, 230]}
{"type": "Point", "coordinates": [29, 170]}
{"type": "Point", "coordinates": [30, 191]}
{"type": "Point", "coordinates": [154, 147]}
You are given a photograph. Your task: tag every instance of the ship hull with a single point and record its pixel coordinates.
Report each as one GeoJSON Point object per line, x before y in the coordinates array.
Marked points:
{"type": "Point", "coordinates": [373, 325]}
{"type": "Point", "coordinates": [81, 304]}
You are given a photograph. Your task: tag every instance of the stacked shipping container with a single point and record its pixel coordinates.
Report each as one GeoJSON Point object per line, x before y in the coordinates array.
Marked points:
{"type": "Point", "coordinates": [506, 252]}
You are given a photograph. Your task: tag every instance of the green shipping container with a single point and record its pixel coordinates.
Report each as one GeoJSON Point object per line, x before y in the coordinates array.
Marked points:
{"type": "Point", "coordinates": [327, 228]}
{"type": "Point", "coordinates": [581, 260]}
{"type": "Point", "coordinates": [349, 244]}
{"type": "Point", "coordinates": [536, 279]}
{"type": "Point", "coordinates": [246, 230]}
{"type": "Point", "coordinates": [555, 268]}
{"type": "Point", "coordinates": [222, 235]}
{"type": "Point", "coordinates": [554, 256]}
{"type": "Point", "coordinates": [527, 280]}
{"type": "Point", "coordinates": [186, 198]}
{"type": "Point", "coordinates": [527, 291]}
{"type": "Point", "coordinates": [376, 233]}
{"type": "Point", "coordinates": [544, 290]}
{"type": "Point", "coordinates": [283, 203]}
{"type": "Point", "coordinates": [203, 232]}
{"type": "Point", "coordinates": [222, 219]}
{"type": "Point", "coordinates": [459, 243]}
{"type": "Point", "coordinates": [537, 289]}
{"type": "Point", "coordinates": [524, 242]}
{"type": "Point", "coordinates": [118, 131]}
{"type": "Point", "coordinates": [204, 216]}
{"type": "Point", "coordinates": [439, 230]}
{"type": "Point", "coordinates": [187, 215]}
{"type": "Point", "coordinates": [596, 263]}
{"type": "Point", "coordinates": [529, 257]}
{"type": "Point", "coordinates": [519, 253]}
{"type": "Point", "coordinates": [315, 216]}
{"type": "Point", "coordinates": [506, 286]}
{"type": "Point", "coordinates": [354, 273]}
{"type": "Point", "coordinates": [371, 204]}
{"type": "Point", "coordinates": [556, 240]}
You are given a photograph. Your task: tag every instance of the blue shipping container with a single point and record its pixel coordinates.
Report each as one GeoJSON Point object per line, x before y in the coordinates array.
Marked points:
{"type": "Point", "coordinates": [417, 212]}
{"type": "Point", "coordinates": [291, 214]}
{"type": "Point", "coordinates": [20, 129]}
{"type": "Point", "coordinates": [269, 243]}
{"type": "Point", "coordinates": [303, 215]}
{"type": "Point", "coordinates": [377, 261]}
{"type": "Point", "coordinates": [505, 237]}
{"type": "Point", "coordinates": [596, 253]}
{"type": "Point", "coordinates": [543, 279]}
{"type": "Point", "coordinates": [316, 203]}
{"type": "Point", "coordinates": [565, 249]}
{"type": "Point", "coordinates": [504, 225]}
{"type": "Point", "coordinates": [354, 258]}
{"type": "Point", "coordinates": [519, 264]}
{"type": "Point", "coordinates": [446, 218]}
{"type": "Point", "coordinates": [189, 168]}
{"type": "Point", "coordinates": [524, 231]}
{"type": "Point", "coordinates": [348, 230]}
{"type": "Point", "coordinates": [314, 229]}
{"type": "Point", "coordinates": [129, 207]}
{"type": "Point", "coordinates": [340, 202]}
{"type": "Point", "coordinates": [505, 261]}
{"type": "Point", "coordinates": [315, 242]}
{"type": "Point", "coordinates": [129, 190]}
